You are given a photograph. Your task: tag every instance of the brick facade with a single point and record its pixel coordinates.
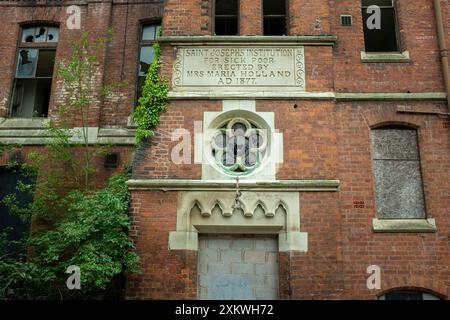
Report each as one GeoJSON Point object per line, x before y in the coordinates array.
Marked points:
{"type": "Point", "coordinates": [323, 139]}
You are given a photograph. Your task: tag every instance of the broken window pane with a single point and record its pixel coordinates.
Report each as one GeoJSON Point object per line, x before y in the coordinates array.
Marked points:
{"type": "Point", "coordinates": [382, 38]}
{"type": "Point", "coordinates": [146, 55]}
{"type": "Point", "coordinates": [46, 62]}
{"type": "Point", "coordinates": [28, 35]}
{"type": "Point", "coordinates": [226, 17]}
{"type": "Point", "coordinates": [26, 64]}
{"type": "Point", "coordinates": [274, 17]}
{"type": "Point", "coordinates": [399, 190]}
{"type": "Point", "coordinates": [53, 34]}
{"type": "Point", "coordinates": [146, 58]}
{"type": "Point", "coordinates": [40, 34]}
{"type": "Point", "coordinates": [34, 72]}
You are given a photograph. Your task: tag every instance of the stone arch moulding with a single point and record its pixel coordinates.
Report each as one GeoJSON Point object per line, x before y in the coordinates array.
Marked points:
{"type": "Point", "coordinates": [208, 220]}
{"type": "Point", "coordinates": [264, 122]}
{"type": "Point", "coordinates": [414, 283]}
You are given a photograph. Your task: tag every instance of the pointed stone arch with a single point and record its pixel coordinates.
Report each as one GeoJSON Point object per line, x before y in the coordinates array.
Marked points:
{"type": "Point", "coordinates": [258, 216]}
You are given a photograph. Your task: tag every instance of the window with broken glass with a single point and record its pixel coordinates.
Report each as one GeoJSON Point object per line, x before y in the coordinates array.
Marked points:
{"type": "Point", "coordinates": [34, 72]}
{"type": "Point", "coordinates": [398, 178]}
{"type": "Point", "coordinates": [239, 146]}
{"type": "Point", "coordinates": [149, 33]}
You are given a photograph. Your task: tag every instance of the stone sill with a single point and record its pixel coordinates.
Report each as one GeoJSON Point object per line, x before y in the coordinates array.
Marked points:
{"type": "Point", "coordinates": [395, 57]}
{"type": "Point", "coordinates": [32, 132]}
{"type": "Point", "coordinates": [230, 185]}
{"type": "Point", "coordinates": [312, 40]}
{"type": "Point", "coordinates": [23, 123]}
{"type": "Point", "coordinates": [404, 226]}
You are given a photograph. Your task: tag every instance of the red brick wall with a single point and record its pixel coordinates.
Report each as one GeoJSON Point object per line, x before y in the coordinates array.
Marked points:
{"type": "Point", "coordinates": [415, 260]}
{"type": "Point", "coordinates": [323, 140]}
{"type": "Point", "coordinates": [118, 62]}
{"type": "Point", "coordinates": [164, 274]}
{"type": "Point", "coordinates": [250, 20]}
{"type": "Point", "coordinates": [417, 29]}
{"type": "Point", "coordinates": [100, 175]}
{"type": "Point", "coordinates": [183, 17]}
{"type": "Point", "coordinates": [309, 17]}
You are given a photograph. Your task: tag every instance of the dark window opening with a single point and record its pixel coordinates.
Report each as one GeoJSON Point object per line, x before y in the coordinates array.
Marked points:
{"type": "Point", "coordinates": [111, 160]}
{"type": "Point", "coordinates": [275, 22]}
{"type": "Point", "coordinates": [149, 34]}
{"type": "Point", "coordinates": [34, 72]}
{"type": "Point", "coordinates": [383, 39]}
{"type": "Point", "coordinates": [346, 20]}
{"type": "Point", "coordinates": [12, 226]}
{"type": "Point", "coordinates": [398, 178]}
{"type": "Point", "coordinates": [226, 17]}
{"type": "Point", "coordinates": [408, 295]}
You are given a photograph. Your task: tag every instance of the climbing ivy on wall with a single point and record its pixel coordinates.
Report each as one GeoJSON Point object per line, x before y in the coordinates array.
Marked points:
{"type": "Point", "coordinates": [153, 100]}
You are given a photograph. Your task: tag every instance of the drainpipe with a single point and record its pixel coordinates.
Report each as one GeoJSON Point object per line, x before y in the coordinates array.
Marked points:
{"type": "Point", "coordinates": [442, 48]}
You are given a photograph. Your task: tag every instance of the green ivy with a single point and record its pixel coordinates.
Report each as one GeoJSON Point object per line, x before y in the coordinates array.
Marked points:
{"type": "Point", "coordinates": [153, 101]}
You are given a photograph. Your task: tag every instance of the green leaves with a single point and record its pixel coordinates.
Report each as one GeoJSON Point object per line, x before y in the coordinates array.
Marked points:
{"type": "Point", "coordinates": [92, 235]}
{"type": "Point", "coordinates": [73, 223]}
{"type": "Point", "coordinates": [153, 100]}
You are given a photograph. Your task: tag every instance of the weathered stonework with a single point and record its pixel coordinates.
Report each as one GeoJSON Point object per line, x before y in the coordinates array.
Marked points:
{"type": "Point", "coordinates": [261, 213]}
{"type": "Point", "coordinates": [326, 129]}
{"type": "Point", "coordinates": [228, 67]}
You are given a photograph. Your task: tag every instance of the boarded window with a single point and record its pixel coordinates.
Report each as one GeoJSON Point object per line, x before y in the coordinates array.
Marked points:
{"type": "Point", "coordinates": [146, 55]}
{"type": "Point", "coordinates": [226, 17]}
{"type": "Point", "coordinates": [274, 17]}
{"type": "Point", "coordinates": [399, 190]}
{"type": "Point", "coordinates": [380, 26]}
{"type": "Point", "coordinates": [34, 72]}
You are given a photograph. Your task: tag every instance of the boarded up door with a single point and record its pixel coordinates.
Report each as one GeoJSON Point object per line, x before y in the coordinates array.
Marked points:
{"type": "Point", "coordinates": [238, 268]}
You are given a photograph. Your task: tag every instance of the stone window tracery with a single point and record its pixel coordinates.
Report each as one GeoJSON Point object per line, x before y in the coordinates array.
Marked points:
{"type": "Point", "coordinates": [239, 146]}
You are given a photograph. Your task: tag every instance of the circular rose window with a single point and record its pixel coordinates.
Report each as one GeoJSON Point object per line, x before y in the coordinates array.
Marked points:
{"type": "Point", "coordinates": [239, 146]}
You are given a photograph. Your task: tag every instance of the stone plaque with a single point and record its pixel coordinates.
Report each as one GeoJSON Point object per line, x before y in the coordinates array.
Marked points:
{"type": "Point", "coordinates": [239, 68]}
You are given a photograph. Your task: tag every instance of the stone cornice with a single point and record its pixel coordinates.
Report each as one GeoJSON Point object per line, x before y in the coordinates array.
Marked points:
{"type": "Point", "coordinates": [230, 185]}
{"type": "Point", "coordinates": [392, 96]}
{"type": "Point", "coordinates": [33, 132]}
{"type": "Point", "coordinates": [292, 95]}
{"type": "Point", "coordinates": [310, 40]}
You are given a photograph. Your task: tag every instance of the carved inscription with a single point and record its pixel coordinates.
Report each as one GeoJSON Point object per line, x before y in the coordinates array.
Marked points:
{"type": "Point", "coordinates": [240, 67]}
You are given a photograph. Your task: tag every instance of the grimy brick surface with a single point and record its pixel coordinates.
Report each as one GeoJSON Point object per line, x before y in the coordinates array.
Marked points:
{"type": "Point", "coordinates": [323, 139]}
